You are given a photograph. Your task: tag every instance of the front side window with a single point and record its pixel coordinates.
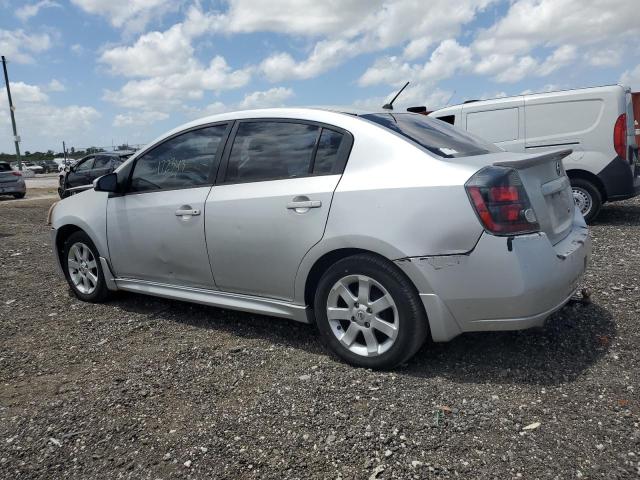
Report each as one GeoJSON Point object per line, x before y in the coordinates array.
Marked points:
{"type": "Point", "coordinates": [434, 135]}
{"type": "Point", "coordinates": [85, 165]}
{"type": "Point", "coordinates": [102, 161]}
{"type": "Point", "coordinates": [265, 150]}
{"type": "Point", "coordinates": [184, 161]}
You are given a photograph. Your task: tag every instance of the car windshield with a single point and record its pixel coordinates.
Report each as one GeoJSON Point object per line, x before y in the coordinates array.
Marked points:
{"type": "Point", "coordinates": [436, 136]}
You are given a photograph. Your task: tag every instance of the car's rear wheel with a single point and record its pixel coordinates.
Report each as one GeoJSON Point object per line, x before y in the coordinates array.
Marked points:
{"type": "Point", "coordinates": [82, 268]}
{"type": "Point", "coordinates": [369, 313]}
{"type": "Point", "coordinates": [587, 198]}
{"type": "Point", "coordinates": [19, 195]}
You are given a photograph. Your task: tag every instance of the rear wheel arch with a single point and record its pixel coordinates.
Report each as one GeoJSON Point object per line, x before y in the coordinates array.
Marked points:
{"type": "Point", "coordinates": [323, 263]}
{"type": "Point", "coordinates": [590, 177]}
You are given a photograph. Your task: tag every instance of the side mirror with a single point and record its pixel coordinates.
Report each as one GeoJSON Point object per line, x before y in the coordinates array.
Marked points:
{"type": "Point", "coordinates": [107, 183]}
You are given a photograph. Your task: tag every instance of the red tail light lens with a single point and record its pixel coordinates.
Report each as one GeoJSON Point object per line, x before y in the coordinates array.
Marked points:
{"type": "Point", "coordinates": [17, 174]}
{"type": "Point", "coordinates": [620, 136]}
{"type": "Point", "coordinates": [501, 202]}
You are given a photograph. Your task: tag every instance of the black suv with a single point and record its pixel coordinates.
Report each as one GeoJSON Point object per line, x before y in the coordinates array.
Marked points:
{"type": "Point", "coordinates": [80, 176]}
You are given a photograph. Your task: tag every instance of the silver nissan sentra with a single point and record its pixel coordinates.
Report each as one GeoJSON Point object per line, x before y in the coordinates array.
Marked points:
{"type": "Point", "coordinates": [380, 228]}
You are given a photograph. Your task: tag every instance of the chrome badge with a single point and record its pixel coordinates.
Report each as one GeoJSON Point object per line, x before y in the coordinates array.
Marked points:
{"type": "Point", "coordinates": [559, 168]}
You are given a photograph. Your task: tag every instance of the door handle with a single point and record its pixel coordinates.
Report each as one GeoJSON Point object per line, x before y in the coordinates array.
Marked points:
{"type": "Point", "coordinates": [304, 204]}
{"type": "Point", "coordinates": [187, 211]}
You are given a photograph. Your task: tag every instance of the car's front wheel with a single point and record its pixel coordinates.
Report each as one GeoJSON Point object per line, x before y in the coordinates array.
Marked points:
{"type": "Point", "coordinates": [369, 313]}
{"type": "Point", "coordinates": [82, 268]}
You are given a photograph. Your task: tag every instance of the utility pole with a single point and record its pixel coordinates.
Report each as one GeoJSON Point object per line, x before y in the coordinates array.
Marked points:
{"type": "Point", "coordinates": [64, 151]}
{"type": "Point", "coordinates": [16, 138]}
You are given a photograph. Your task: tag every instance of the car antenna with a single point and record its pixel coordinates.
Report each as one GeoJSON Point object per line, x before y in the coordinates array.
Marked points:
{"type": "Point", "coordinates": [389, 106]}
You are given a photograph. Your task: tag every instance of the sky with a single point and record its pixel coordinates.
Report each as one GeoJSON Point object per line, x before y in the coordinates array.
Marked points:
{"type": "Point", "coordinates": [104, 72]}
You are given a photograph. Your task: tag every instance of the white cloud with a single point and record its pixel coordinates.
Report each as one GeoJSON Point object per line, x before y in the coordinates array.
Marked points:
{"type": "Point", "coordinates": [42, 124]}
{"type": "Point", "coordinates": [445, 60]}
{"type": "Point", "coordinates": [606, 57]}
{"type": "Point", "coordinates": [133, 15]}
{"type": "Point", "coordinates": [377, 26]}
{"type": "Point", "coordinates": [19, 46]}
{"type": "Point", "coordinates": [631, 78]}
{"type": "Point", "coordinates": [508, 68]}
{"type": "Point", "coordinates": [25, 12]}
{"type": "Point", "coordinates": [55, 86]}
{"type": "Point", "coordinates": [138, 118]}
{"type": "Point", "coordinates": [274, 97]}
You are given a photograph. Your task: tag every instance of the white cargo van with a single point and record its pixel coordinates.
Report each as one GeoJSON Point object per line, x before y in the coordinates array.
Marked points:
{"type": "Point", "coordinates": [596, 123]}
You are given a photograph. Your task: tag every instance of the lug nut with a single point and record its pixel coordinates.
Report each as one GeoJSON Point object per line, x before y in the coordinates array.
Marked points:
{"type": "Point", "coordinates": [353, 319]}
{"type": "Point", "coordinates": [369, 310]}
{"type": "Point", "coordinates": [356, 305]}
{"type": "Point", "coordinates": [367, 324]}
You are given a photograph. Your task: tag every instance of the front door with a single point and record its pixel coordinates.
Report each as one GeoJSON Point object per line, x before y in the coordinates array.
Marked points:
{"type": "Point", "coordinates": [270, 205]}
{"type": "Point", "coordinates": [78, 175]}
{"type": "Point", "coordinates": [156, 229]}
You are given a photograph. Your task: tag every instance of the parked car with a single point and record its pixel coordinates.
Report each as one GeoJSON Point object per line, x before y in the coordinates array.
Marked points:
{"type": "Point", "coordinates": [49, 166]}
{"type": "Point", "coordinates": [596, 123]}
{"type": "Point", "coordinates": [33, 167]}
{"type": "Point", "coordinates": [381, 228]}
{"type": "Point", "coordinates": [11, 181]}
{"type": "Point", "coordinates": [81, 175]}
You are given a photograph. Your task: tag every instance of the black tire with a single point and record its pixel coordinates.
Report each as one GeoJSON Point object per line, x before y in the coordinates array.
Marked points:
{"type": "Point", "coordinates": [19, 195]}
{"type": "Point", "coordinates": [584, 187]}
{"type": "Point", "coordinates": [412, 321]}
{"type": "Point", "coordinates": [101, 293]}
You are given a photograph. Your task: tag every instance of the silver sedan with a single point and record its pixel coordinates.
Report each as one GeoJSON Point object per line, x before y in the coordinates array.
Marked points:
{"type": "Point", "coordinates": [382, 228]}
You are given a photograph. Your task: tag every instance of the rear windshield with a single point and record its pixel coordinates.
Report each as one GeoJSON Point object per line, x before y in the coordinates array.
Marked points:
{"type": "Point", "coordinates": [5, 167]}
{"type": "Point", "coordinates": [434, 135]}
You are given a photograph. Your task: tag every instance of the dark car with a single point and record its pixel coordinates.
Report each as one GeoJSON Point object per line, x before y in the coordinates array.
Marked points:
{"type": "Point", "coordinates": [81, 175]}
{"type": "Point", "coordinates": [49, 166]}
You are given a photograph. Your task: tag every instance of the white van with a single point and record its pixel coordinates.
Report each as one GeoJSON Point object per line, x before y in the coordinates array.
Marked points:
{"type": "Point", "coordinates": [596, 123]}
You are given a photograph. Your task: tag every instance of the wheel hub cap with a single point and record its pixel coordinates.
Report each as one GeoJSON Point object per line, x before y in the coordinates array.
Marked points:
{"type": "Point", "coordinates": [83, 268]}
{"type": "Point", "coordinates": [582, 200]}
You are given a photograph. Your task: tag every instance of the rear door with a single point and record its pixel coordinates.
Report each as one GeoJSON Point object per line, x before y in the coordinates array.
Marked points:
{"type": "Point", "coordinates": [271, 202]}
{"type": "Point", "coordinates": [156, 229]}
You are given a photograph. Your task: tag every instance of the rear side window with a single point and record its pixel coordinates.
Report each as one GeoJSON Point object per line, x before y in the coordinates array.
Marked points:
{"type": "Point", "coordinates": [183, 161]}
{"type": "Point", "coordinates": [271, 150]}
{"type": "Point", "coordinates": [5, 167]}
{"type": "Point", "coordinates": [433, 135]}
{"type": "Point", "coordinates": [328, 153]}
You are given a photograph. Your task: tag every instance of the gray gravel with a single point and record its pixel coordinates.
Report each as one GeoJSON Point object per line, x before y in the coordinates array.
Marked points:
{"type": "Point", "coordinates": [149, 388]}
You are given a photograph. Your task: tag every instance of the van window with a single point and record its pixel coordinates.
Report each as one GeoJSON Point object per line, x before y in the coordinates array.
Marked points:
{"type": "Point", "coordinates": [494, 125]}
{"type": "Point", "coordinates": [432, 134]}
{"type": "Point", "coordinates": [450, 119]}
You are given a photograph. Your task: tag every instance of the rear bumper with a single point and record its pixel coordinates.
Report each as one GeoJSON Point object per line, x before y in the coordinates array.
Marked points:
{"type": "Point", "coordinates": [11, 188]}
{"type": "Point", "coordinates": [492, 288]}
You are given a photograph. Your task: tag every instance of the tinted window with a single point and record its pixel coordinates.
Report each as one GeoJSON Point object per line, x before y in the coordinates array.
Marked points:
{"type": "Point", "coordinates": [271, 150]}
{"type": "Point", "coordinates": [85, 165]}
{"type": "Point", "coordinates": [436, 136]}
{"type": "Point", "coordinates": [5, 167]}
{"type": "Point", "coordinates": [327, 154]}
{"type": "Point", "coordinates": [102, 161]}
{"type": "Point", "coordinates": [180, 162]}
{"type": "Point", "coordinates": [450, 119]}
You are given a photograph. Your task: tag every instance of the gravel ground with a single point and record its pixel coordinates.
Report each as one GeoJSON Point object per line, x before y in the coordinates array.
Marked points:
{"type": "Point", "coordinates": [148, 388]}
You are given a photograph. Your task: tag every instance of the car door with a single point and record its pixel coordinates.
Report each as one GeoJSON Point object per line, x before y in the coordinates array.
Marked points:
{"type": "Point", "coordinates": [271, 202]}
{"type": "Point", "coordinates": [78, 175]}
{"type": "Point", "coordinates": [155, 229]}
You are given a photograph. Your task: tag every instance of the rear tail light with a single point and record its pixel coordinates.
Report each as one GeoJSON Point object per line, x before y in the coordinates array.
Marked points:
{"type": "Point", "coordinates": [501, 202]}
{"type": "Point", "coordinates": [620, 136]}
{"type": "Point", "coordinates": [17, 174]}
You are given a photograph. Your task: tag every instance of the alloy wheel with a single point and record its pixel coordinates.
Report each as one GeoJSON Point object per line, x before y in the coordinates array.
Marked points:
{"type": "Point", "coordinates": [83, 268]}
{"type": "Point", "coordinates": [363, 315]}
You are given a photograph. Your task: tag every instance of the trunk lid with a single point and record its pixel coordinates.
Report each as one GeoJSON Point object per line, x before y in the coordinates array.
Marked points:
{"type": "Point", "coordinates": [548, 189]}
{"type": "Point", "coordinates": [7, 176]}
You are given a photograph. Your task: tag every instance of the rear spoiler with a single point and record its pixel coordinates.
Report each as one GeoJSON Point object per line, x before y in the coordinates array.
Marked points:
{"type": "Point", "coordinates": [537, 160]}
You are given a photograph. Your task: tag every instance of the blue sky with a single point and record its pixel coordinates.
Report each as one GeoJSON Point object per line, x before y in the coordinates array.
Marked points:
{"type": "Point", "coordinates": [96, 72]}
